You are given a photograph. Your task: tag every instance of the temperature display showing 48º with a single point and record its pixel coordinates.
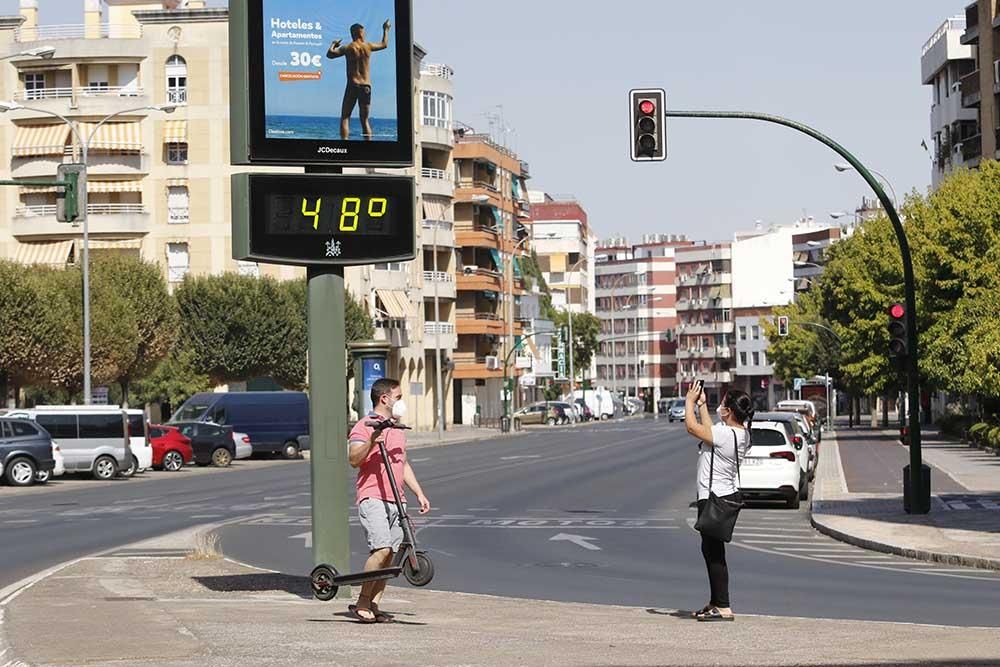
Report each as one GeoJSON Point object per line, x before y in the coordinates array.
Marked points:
{"type": "Point", "coordinates": [330, 215]}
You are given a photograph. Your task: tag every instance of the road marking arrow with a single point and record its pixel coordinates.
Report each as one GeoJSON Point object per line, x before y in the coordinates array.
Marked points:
{"type": "Point", "coordinates": [307, 536]}
{"type": "Point", "coordinates": [578, 540]}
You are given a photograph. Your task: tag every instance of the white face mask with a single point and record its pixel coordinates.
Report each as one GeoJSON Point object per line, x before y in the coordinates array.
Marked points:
{"type": "Point", "coordinates": [718, 411]}
{"type": "Point", "coordinates": [399, 409]}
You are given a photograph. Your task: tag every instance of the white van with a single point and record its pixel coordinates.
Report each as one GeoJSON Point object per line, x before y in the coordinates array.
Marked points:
{"type": "Point", "coordinates": [92, 438]}
{"type": "Point", "coordinates": [138, 436]}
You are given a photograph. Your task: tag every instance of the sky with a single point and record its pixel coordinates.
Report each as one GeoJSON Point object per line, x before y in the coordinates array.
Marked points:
{"type": "Point", "coordinates": [561, 70]}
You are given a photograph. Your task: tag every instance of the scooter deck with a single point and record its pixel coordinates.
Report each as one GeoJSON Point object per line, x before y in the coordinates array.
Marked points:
{"type": "Point", "coordinates": [362, 577]}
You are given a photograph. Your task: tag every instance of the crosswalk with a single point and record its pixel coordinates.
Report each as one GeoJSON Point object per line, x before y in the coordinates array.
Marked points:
{"type": "Point", "coordinates": [960, 502]}
{"type": "Point", "coordinates": [780, 533]}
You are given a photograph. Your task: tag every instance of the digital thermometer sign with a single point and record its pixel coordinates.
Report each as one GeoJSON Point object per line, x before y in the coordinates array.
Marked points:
{"type": "Point", "coordinates": [305, 219]}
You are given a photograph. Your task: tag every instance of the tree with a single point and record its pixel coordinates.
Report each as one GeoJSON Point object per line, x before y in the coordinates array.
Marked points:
{"type": "Point", "coordinates": [174, 380]}
{"type": "Point", "coordinates": [807, 350]}
{"type": "Point", "coordinates": [22, 342]}
{"type": "Point", "coordinates": [586, 328]}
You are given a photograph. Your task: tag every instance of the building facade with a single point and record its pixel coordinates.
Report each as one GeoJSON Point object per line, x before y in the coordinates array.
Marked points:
{"type": "Point", "coordinates": [980, 88]}
{"type": "Point", "coordinates": [563, 242]}
{"type": "Point", "coordinates": [944, 62]}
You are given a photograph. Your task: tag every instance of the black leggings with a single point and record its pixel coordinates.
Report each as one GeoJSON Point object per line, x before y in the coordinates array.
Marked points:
{"type": "Point", "coordinates": [714, 552]}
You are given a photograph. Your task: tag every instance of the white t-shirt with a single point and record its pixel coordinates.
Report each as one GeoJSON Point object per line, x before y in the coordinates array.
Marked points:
{"type": "Point", "coordinates": [724, 478]}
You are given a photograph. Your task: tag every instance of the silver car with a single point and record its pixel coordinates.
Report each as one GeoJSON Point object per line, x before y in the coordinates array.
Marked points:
{"type": "Point", "coordinates": [675, 411]}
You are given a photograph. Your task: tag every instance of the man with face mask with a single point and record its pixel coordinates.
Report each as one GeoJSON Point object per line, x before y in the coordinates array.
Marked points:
{"type": "Point", "coordinates": [376, 505]}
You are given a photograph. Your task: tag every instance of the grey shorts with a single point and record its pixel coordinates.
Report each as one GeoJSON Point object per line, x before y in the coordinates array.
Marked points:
{"type": "Point", "coordinates": [381, 522]}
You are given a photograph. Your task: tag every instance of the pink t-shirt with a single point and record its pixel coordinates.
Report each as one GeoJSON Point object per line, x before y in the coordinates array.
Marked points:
{"type": "Point", "coordinates": [373, 480]}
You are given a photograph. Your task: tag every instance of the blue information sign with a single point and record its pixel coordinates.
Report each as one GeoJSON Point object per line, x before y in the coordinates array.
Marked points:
{"type": "Point", "coordinates": [372, 369]}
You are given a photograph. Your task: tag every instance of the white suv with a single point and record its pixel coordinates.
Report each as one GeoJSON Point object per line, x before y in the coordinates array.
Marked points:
{"type": "Point", "coordinates": [774, 468]}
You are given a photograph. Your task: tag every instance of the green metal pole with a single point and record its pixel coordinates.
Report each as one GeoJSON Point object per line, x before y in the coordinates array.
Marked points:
{"type": "Point", "coordinates": [920, 502]}
{"type": "Point", "coordinates": [328, 420]}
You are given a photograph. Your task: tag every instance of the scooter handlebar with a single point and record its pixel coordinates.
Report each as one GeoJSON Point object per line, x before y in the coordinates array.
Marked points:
{"type": "Point", "coordinates": [387, 424]}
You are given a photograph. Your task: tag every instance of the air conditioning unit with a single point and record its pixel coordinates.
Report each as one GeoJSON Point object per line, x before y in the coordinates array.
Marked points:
{"type": "Point", "coordinates": [469, 269]}
{"type": "Point", "coordinates": [492, 363]}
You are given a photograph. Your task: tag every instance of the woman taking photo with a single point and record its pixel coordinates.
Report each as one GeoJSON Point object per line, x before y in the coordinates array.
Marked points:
{"type": "Point", "coordinates": [719, 499]}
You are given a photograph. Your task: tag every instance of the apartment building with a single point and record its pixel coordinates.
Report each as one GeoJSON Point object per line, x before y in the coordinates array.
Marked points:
{"type": "Point", "coordinates": [980, 88]}
{"type": "Point", "coordinates": [492, 236]}
{"type": "Point", "coordinates": [705, 330]}
{"type": "Point", "coordinates": [158, 183]}
{"type": "Point", "coordinates": [944, 62]}
{"type": "Point", "coordinates": [564, 244]}
{"type": "Point", "coordinates": [809, 252]}
{"type": "Point", "coordinates": [635, 299]}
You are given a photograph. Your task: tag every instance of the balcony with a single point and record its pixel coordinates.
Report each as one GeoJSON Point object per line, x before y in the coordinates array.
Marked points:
{"type": "Point", "coordinates": [525, 169]}
{"type": "Point", "coordinates": [478, 280]}
{"type": "Point", "coordinates": [40, 222]}
{"type": "Point", "coordinates": [476, 236]}
{"type": "Point", "coordinates": [98, 164]}
{"type": "Point", "coordinates": [50, 33]}
{"type": "Point", "coordinates": [86, 100]}
{"type": "Point", "coordinates": [440, 331]}
{"type": "Point", "coordinates": [440, 71]}
{"type": "Point", "coordinates": [439, 282]}
{"type": "Point", "coordinates": [481, 323]}
{"type": "Point", "coordinates": [972, 148]}
{"type": "Point", "coordinates": [478, 192]}
{"type": "Point", "coordinates": [705, 329]}
{"type": "Point", "coordinates": [392, 332]}
{"type": "Point", "coordinates": [722, 278]}
{"type": "Point", "coordinates": [436, 182]}
{"type": "Point", "coordinates": [469, 365]}
{"type": "Point", "coordinates": [971, 92]}
{"type": "Point", "coordinates": [438, 232]}
{"type": "Point", "coordinates": [705, 353]}
{"type": "Point", "coordinates": [438, 134]}
{"type": "Point", "coordinates": [706, 303]}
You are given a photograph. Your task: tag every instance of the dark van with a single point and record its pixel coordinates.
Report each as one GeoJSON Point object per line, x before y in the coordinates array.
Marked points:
{"type": "Point", "coordinates": [276, 421]}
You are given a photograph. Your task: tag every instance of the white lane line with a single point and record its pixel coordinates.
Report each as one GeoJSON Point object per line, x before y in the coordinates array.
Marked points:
{"type": "Point", "coordinates": [206, 516]}
{"type": "Point", "coordinates": [780, 540]}
{"type": "Point", "coordinates": [820, 550]}
{"type": "Point", "coordinates": [419, 460]}
{"type": "Point", "coordinates": [481, 509]}
{"type": "Point", "coordinates": [965, 571]}
{"type": "Point", "coordinates": [23, 521]}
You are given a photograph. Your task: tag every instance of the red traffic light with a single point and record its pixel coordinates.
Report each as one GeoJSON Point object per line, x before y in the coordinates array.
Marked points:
{"type": "Point", "coordinates": [648, 107]}
{"type": "Point", "coordinates": [897, 311]}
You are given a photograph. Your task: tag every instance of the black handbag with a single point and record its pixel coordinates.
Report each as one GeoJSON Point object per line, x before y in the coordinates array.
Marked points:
{"type": "Point", "coordinates": [718, 518]}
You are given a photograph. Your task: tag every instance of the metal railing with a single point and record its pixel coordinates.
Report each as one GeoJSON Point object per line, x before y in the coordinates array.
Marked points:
{"type": "Point", "coordinates": [42, 210]}
{"type": "Point", "coordinates": [438, 70]}
{"type": "Point", "coordinates": [177, 95]}
{"type": "Point", "coordinates": [439, 328]}
{"type": "Point", "coordinates": [441, 225]}
{"type": "Point", "coordinates": [80, 91]}
{"type": "Point", "coordinates": [438, 277]}
{"type": "Point", "coordinates": [954, 23]}
{"type": "Point", "coordinates": [77, 31]}
{"type": "Point", "coordinates": [439, 174]}
{"type": "Point", "coordinates": [177, 215]}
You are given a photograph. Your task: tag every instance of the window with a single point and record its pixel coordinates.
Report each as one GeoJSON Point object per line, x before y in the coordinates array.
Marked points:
{"type": "Point", "coordinates": [557, 277]}
{"type": "Point", "coordinates": [763, 359]}
{"type": "Point", "coordinates": [391, 266]}
{"type": "Point", "coordinates": [178, 205]}
{"type": "Point", "coordinates": [756, 358]}
{"type": "Point", "coordinates": [176, 80]}
{"type": "Point", "coordinates": [97, 79]}
{"type": "Point", "coordinates": [177, 153]}
{"type": "Point", "coordinates": [101, 426]}
{"type": "Point", "coordinates": [22, 430]}
{"type": "Point", "coordinates": [743, 358]}
{"type": "Point", "coordinates": [437, 109]}
{"type": "Point", "coordinates": [755, 332]}
{"type": "Point", "coordinates": [34, 86]}
{"type": "Point", "coordinates": [726, 315]}
{"type": "Point", "coordinates": [60, 427]}
{"type": "Point", "coordinates": [743, 333]}
{"type": "Point", "coordinates": [178, 262]}
{"type": "Point", "coordinates": [136, 426]}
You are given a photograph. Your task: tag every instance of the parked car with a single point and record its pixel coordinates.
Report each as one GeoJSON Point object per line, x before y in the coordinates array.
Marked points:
{"type": "Point", "coordinates": [772, 468]}
{"type": "Point", "coordinates": [25, 449]}
{"type": "Point", "coordinates": [93, 438]}
{"type": "Point", "coordinates": [138, 437]}
{"type": "Point", "coordinates": [797, 424]}
{"type": "Point", "coordinates": [675, 411]}
{"type": "Point", "coordinates": [212, 444]}
{"type": "Point", "coordinates": [588, 414]}
{"type": "Point", "coordinates": [539, 413]}
{"type": "Point", "coordinates": [808, 408]}
{"type": "Point", "coordinates": [43, 476]}
{"type": "Point", "coordinates": [244, 448]}
{"type": "Point", "coordinates": [275, 421]}
{"type": "Point", "coordinates": [171, 450]}
{"type": "Point", "coordinates": [635, 405]}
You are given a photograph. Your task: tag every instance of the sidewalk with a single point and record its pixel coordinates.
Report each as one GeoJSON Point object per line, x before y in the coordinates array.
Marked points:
{"type": "Point", "coordinates": [858, 498]}
{"type": "Point", "coordinates": [150, 605]}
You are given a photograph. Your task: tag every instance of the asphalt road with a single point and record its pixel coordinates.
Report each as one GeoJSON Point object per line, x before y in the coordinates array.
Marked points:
{"type": "Point", "coordinates": [593, 514]}
{"type": "Point", "coordinates": [603, 514]}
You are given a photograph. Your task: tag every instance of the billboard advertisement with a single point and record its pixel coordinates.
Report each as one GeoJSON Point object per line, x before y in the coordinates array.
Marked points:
{"type": "Point", "coordinates": [327, 82]}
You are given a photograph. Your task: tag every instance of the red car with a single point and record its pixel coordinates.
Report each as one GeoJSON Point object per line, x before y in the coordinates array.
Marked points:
{"type": "Point", "coordinates": [171, 450]}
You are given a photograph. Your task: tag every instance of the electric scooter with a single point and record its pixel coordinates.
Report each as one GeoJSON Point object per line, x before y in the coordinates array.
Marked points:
{"type": "Point", "coordinates": [414, 564]}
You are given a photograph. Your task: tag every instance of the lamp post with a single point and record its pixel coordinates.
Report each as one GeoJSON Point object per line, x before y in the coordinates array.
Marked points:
{"type": "Point", "coordinates": [509, 392]}
{"type": "Point", "coordinates": [85, 254]}
{"type": "Point", "coordinates": [843, 166]}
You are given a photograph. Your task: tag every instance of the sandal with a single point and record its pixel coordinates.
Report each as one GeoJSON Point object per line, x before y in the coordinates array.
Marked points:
{"type": "Point", "coordinates": [358, 613]}
{"type": "Point", "coordinates": [714, 615]}
{"type": "Point", "coordinates": [701, 612]}
{"type": "Point", "coordinates": [380, 616]}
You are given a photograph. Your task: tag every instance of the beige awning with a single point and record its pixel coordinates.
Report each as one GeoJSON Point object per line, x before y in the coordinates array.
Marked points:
{"type": "Point", "coordinates": [53, 253]}
{"type": "Point", "coordinates": [395, 303]}
{"type": "Point", "coordinates": [175, 132]}
{"type": "Point", "coordinates": [176, 182]}
{"type": "Point", "coordinates": [92, 186]}
{"type": "Point", "coordinates": [40, 140]}
{"type": "Point", "coordinates": [113, 136]}
{"type": "Point", "coordinates": [438, 210]}
{"type": "Point", "coordinates": [124, 244]}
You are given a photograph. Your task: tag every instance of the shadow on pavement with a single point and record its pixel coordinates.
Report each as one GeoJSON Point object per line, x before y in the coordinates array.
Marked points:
{"type": "Point", "coordinates": [258, 583]}
{"type": "Point", "coordinates": [890, 510]}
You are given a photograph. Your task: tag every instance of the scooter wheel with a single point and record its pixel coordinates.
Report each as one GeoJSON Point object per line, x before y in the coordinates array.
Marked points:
{"type": "Point", "coordinates": [424, 572]}
{"type": "Point", "coordinates": [322, 582]}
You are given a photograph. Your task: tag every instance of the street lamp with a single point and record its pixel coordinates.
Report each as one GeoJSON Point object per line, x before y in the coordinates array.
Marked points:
{"type": "Point", "coordinates": [843, 166]}
{"type": "Point", "coordinates": [85, 255]}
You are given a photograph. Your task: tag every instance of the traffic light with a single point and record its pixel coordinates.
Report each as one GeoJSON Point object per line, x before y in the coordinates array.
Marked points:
{"type": "Point", "coordinates": [783, 325]}
{"type": "Point", "coordinates": [898, 344]}
{"type": "Point", "coordinates": [71, 203]}
{"type": "Point", "coordinates": [649, 141]}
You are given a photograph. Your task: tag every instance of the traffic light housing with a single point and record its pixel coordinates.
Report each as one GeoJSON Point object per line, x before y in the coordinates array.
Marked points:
{"type": "Point", "coordinates": [783, 325]}
{"type": "Point", "coordinates": [648, 123]}
{"type": "Point", "coordinates": [898, 341]}
{"type": "Point", "coordinates": [71, 201]}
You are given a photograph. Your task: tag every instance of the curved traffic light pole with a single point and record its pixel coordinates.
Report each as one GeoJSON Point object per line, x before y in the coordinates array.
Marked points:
{"type": "Point", "coordinates": [920, 502]}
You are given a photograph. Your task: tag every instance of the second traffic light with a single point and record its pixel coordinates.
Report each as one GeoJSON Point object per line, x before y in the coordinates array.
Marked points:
{"type": "Point", "coordinates": [783, 325]}
{"type": "Point", "coordinates": [649, 140]}
{"type": "Point", "coordinates": [898, 344]}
